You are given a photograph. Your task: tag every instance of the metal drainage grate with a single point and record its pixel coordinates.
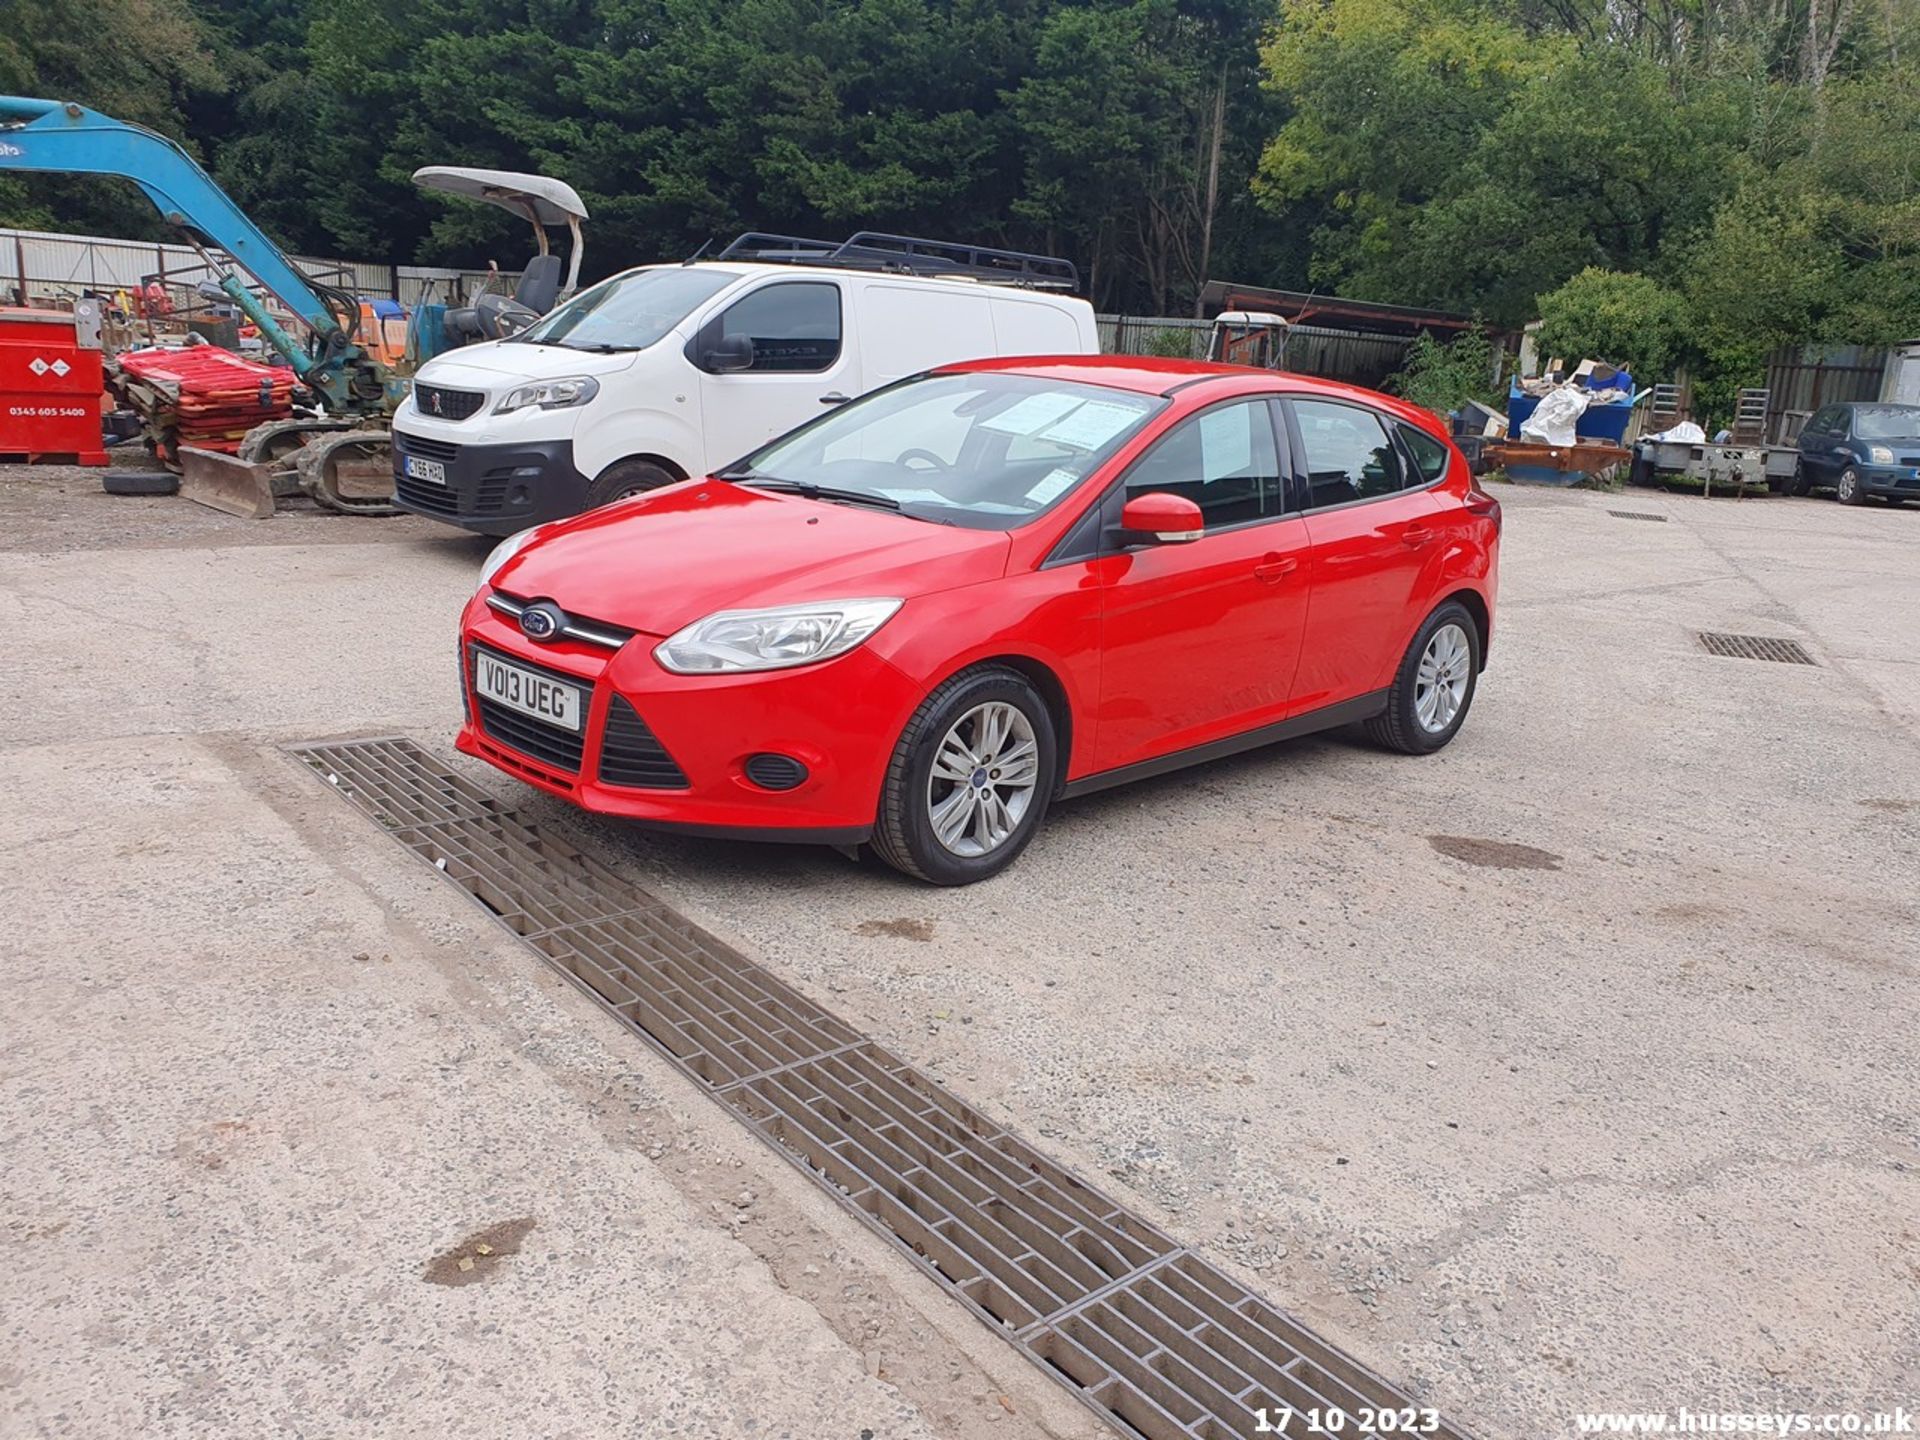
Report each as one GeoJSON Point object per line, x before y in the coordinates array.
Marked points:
{"type": "Point", "coordinates": [1145, 1331]}
{"type": "Point", "coordinates": [1756, 647]}
{"type": "Point", "coordinates": [1637, 515]}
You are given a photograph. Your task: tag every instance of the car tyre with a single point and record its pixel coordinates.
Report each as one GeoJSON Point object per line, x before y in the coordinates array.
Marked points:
{"type": "Point", "coordinates": [1801, 482]}
{"type": "Point", "coordinates": [1849, 489]}
{"type": "Point", "coordinates": [914, 798]}
{"type": "Point", "coordinates": [1434, 686]}
{"type": "Point", "coordinates": [626, 480]}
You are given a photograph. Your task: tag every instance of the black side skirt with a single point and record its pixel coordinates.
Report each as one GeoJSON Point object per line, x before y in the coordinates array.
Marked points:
{"type": "Point", "coordinates": [1347, 712]}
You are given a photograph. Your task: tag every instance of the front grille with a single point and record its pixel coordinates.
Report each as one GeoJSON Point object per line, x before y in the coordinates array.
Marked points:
{"type": "Point", "coordinates": [490, 495]}
{"type": "Point", "coordinates": [631, 756]}
{"type": "Point", "coordinates": [441, 450]}
{"type": "Point", "coordinates": [445, 404]}
{"type": "Point", "coordinates": [425, 495]}
{"type": "Point", "coordinates": [548, 744]}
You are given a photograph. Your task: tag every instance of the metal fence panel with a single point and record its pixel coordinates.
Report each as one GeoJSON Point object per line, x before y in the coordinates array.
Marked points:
{"type": "Point", "coordinates": [1331, 354]}
{"type": "Point", "coordinates": [1803, 378]}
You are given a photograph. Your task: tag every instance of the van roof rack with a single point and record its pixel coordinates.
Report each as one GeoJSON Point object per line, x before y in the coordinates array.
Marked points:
{"type": "Point", "coordinates": [909, 255]}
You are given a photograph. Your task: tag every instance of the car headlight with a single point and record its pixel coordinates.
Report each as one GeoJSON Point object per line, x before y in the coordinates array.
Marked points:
{"type": "Point", "coordinates": [1880, 454]}
{"type": "Point", "coordinates": [774, 638]}
{"type": "Point", "coordinates": [549, 394]}
{"type": "Point", "coordinates": [503, 552]}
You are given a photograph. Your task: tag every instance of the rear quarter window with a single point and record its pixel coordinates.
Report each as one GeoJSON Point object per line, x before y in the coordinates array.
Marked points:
{"type": "Point", "coordinates": [1429, 455]}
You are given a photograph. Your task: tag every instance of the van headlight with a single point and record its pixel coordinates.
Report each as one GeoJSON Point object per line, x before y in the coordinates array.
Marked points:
{"type": "Point", "coordinates": [503, 552]}
{"type": "Point", "coordinates": [774, 638]}
{"type": "Point", "coordinates": [549, 394]}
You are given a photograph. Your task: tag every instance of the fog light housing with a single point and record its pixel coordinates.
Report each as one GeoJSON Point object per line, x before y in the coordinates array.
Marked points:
{"type": "Point", "coordinates": [772, 771]}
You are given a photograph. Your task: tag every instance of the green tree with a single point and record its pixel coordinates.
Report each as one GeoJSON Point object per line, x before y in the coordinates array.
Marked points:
{"type": "Point", "coordinates": [138, 60]}
{"type": "Point", "coordinates": [1443, 376]}
{"type": "Point", "coordinates": [1628, 320]}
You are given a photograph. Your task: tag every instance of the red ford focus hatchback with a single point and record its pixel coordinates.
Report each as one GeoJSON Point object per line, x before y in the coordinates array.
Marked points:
{"type": "Point", "coordinates": [921, 619]}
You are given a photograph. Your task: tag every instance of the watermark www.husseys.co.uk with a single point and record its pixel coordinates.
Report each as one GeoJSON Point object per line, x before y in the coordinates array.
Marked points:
{"type": "Point", "coordinates": [1898, 1421]}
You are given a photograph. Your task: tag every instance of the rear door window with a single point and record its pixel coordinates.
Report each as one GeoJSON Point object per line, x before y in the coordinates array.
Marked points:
{"type": "Point", "coordinates": [1348, 454]}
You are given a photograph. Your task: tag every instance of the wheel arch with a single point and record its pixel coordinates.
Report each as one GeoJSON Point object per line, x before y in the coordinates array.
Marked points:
{"type": "Point", "coordinates": [1052, 690]}
{"type": "Point", "coordinates": [665, 462]}
{"type": "Point", "coordinates": [1475, 605]}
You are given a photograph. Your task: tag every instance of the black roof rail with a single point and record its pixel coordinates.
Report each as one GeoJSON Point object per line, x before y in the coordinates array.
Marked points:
{"type": "Point", "coordinates": [909, 255]}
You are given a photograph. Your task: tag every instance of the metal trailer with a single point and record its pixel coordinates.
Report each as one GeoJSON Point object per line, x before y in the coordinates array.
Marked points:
{"type": "Point", "coordinates": [1743, 464]}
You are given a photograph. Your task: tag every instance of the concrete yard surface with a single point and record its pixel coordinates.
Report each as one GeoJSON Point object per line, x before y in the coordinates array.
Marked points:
{"type": "Point", "coordinates": [1572, 1069]}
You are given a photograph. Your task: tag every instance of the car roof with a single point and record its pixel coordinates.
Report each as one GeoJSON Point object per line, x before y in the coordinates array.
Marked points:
{"type": "Point", "coordinates": [1158, 375]}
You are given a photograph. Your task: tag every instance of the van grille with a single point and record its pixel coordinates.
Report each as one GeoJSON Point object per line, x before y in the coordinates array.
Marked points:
{"type": "Point", "coordinates": [445, 404]}
{"type": "Point", "coordinates": [441, 450]}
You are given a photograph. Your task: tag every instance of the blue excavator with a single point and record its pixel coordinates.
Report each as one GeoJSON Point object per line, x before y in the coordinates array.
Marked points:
{"type": "Point", "coordinates": [339, 454]}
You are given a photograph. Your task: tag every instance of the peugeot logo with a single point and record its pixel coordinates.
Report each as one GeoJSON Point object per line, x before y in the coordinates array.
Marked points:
{"type": "Point", "coordinates": [433, 401]}
{"type": "Point", "coordinates": [542, 621]}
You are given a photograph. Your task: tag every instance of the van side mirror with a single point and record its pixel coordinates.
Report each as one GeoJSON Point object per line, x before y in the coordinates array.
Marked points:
{"type": "Point", "coordinates": [1158, 518]}
{"type": "Point", "coordinates": [728, 354]}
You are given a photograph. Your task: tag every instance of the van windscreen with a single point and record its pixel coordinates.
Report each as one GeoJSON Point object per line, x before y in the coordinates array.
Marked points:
{"type": "Point", "coordinates": [628, 312]}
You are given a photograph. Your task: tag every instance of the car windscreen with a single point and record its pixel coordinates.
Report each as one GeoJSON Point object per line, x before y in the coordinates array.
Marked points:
{"type": "Point", "coordinates": [988, 451]}
{"type": "Point", "coordinates": [628, 312]}
{"type": "Point", "coordinates": [1886, 422]}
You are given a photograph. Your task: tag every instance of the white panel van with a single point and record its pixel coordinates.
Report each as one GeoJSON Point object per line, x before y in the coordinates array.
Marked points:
{"type": "Point", "coordinates": [666, 372]}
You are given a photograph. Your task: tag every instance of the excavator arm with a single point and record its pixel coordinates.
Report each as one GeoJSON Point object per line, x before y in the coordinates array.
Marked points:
{"type": "Point", "coordinates": [63, 138]}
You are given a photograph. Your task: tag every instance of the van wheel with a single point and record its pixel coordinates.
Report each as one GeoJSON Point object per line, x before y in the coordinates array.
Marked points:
{"type": "Point", "coordinates": [626, 480]}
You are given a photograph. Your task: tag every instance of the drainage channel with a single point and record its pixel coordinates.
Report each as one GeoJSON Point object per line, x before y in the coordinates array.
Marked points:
{"type": "Point", "coordinates": [1145, 1331]}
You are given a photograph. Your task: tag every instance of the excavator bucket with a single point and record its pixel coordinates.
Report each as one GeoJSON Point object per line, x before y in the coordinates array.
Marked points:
{"type": "Point", "coordinates": [224, 482]}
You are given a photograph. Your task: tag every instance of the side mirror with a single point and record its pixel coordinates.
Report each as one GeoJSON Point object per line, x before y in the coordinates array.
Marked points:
{"type": "Point", "coordinates": [1158, 518]}
{"type": "Point", "coordinates": [728, 354]}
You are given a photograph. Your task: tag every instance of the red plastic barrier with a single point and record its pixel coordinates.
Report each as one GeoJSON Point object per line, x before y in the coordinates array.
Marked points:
{"type": "Point", "coordinates": [214, 396]}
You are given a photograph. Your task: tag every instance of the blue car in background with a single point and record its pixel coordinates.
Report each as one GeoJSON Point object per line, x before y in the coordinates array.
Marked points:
{"type": "Point", "coordinates": [1860, 449]}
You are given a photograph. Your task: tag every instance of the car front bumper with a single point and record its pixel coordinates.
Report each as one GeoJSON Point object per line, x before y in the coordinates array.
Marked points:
{"type": "Point", "coordinates": [1890, 479]}
{"type": "Point", "coordinates": [488, 489]}
{"type": "Point", "coordinates": [839, 719]}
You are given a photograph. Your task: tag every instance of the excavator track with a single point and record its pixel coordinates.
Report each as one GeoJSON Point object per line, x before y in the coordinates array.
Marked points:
{"type": "Point", "coordinates": [351, 472]}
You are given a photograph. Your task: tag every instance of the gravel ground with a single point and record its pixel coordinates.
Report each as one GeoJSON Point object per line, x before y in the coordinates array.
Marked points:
{"type": "Point", "coordinates": [1571, 1069]}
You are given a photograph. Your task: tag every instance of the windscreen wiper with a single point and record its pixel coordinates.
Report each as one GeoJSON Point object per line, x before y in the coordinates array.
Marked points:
{"type": "Point", "coordinates": [806, 490]}
{"type": "Point", "coordinates": [598, 347]}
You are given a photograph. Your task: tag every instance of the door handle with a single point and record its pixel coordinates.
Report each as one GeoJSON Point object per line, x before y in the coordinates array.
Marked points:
{"type": "Point", "coordinates": [1273, 568]}
{"type": "Point", "coordinates": [834, 397]}
{"type": "Point", "coordinates": [1415, 535]}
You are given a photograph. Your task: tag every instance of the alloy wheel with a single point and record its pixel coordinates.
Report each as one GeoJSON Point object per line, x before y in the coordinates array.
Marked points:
{"type": "Point", "coordinates": [985, 771]}
{"type": "Point", "coordinates": [1440, 684]}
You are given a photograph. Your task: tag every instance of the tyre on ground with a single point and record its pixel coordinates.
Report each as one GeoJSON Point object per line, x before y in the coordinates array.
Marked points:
{"type": "Point", "coordinates": [970, 779]}
{"type": "Point", "coordinates": [1433, 688]}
